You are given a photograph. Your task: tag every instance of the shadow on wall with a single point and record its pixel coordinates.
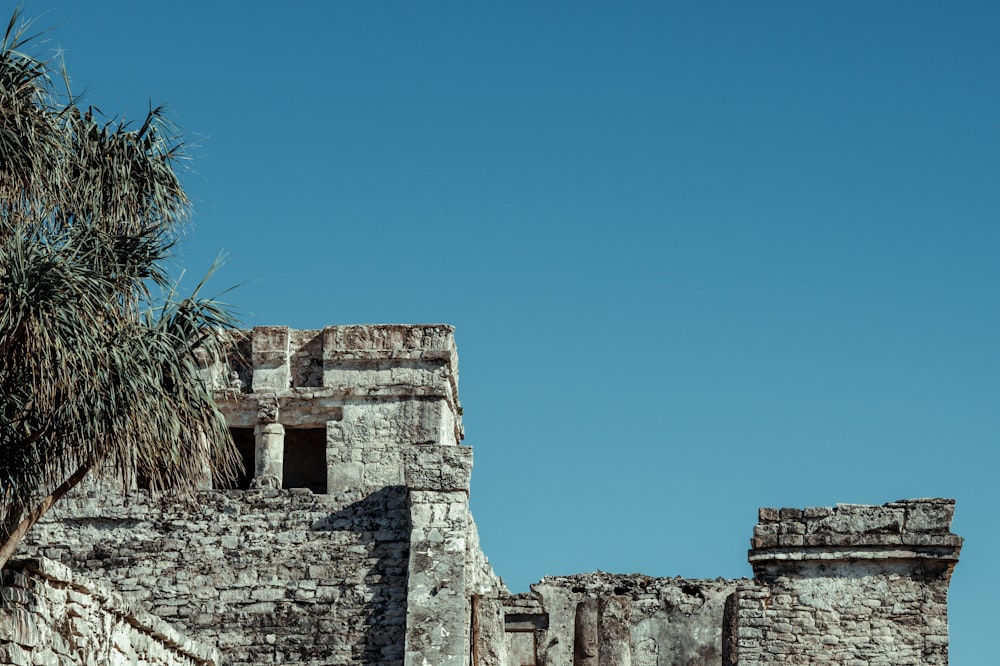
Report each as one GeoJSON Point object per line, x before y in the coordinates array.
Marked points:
{"type": "Point", "coordinates": [382, 522]}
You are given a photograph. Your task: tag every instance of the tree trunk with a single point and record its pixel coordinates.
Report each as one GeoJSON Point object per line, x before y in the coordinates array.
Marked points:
{"type": "Point", "coordinates": [15, 537]}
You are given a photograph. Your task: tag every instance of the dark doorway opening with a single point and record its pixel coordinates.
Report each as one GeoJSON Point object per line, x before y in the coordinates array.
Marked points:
{"type": "Point", "coordinates": [246, 444]}
{"type": "Point", "coordinates": [304, 465]}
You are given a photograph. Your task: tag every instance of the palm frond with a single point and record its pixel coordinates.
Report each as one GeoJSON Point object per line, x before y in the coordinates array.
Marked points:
{"type": "Point", "coordinates": [95, 371]}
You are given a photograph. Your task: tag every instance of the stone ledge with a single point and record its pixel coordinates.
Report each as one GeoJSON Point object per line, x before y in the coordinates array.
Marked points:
{"type": "Point", "coordinates": [938, 553]}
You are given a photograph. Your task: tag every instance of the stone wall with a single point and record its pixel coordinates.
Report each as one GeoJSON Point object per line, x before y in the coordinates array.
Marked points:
{"type": "Point", "coordinates": [397, 577]}
{"type": "Point", "coordinates": [54, 617]}
{"type": "Point", "coordinates": [602, 619]}
{"type": "Point", "coordinates": [269, 576]}
{"type": "Point", "coordinates": [849, 585]}
{"type": "Point", "coordinates": [853, 584]}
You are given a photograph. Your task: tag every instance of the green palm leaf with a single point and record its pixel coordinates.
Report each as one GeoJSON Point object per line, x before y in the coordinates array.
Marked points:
{"type": "Point", "coordinates": [95, 373]}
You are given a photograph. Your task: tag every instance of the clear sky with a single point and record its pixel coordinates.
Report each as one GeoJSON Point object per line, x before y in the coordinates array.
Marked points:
{"type": "Point", "coordinates": [701, 257]}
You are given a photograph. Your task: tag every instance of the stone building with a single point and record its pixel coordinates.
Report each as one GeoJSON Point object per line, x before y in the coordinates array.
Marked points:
{"type": "Point", "coordinates": [350, 541]}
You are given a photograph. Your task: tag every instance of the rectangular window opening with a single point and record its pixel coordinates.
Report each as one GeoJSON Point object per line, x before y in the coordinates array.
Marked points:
{"type": "Point", "coordinates": [246, 444]}
{"type": "Point", "coordinates": [304, 464]}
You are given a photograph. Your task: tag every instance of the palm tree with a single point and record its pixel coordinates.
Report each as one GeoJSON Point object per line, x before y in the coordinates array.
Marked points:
{"type": "Point", "coordinates": [97, 371]}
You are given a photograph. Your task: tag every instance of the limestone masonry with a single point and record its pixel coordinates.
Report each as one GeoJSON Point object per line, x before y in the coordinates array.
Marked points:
{"type": "Point", "coordinates": [350, 541]}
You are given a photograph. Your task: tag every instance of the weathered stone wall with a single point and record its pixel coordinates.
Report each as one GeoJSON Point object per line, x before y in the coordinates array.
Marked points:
{"type": "Point", "coordinates": [377, 390]}
{"type": "Point", "coordinates": [57, 618]}
{"type": "Point", "coordinates": [602, 619]}
{"type": "Point", "coordinates": [857, 585]}
{"type": "Point", "coordinates": [287, 576]}
{"type": "Point", "coordinates": [852, 584]}
{"type": "Point", "coordinates": [269, 576]}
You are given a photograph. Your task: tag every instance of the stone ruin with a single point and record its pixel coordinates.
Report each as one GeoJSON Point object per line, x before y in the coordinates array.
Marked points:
{"type": "Point", "coordinates": [350, 541]}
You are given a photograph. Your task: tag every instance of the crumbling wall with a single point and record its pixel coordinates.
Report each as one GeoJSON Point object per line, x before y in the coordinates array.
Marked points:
{"type": "Point", "coordinates": [602, 619]}
{"type": "Point", "coordinates": [852, 584]}
{"type": "Point", "coordinates": [487, 640]}
{"type": "Point", "coordinates": [54, 617]}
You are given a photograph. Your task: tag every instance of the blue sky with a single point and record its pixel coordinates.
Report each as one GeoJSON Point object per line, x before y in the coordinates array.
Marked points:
{"type": "Point", "coordinates": [701, 258]}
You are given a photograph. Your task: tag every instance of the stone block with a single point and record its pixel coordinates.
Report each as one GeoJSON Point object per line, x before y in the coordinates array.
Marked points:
{"type": "Point", "coordinates": [768, 515]}
{"type": "Point", "coordinates": [929, 517]}
{"type": "Point", "coordinates": [790, 514]}
{"type": "Point", "coordinates": [766, 529]}
{"type": "Point", "coordinates": [431, 467]}
{"type": "Point", "coordinates": [854, 519]}
{"type": "Point", "coordinates": [270, 357]}
{"type": "Point", "coordinates": [817, 511]}
{"type": "Point", "coordinates": [15, 655]}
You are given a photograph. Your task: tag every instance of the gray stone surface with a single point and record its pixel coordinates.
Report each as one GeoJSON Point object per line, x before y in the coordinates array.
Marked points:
{"type": "Point", "coordinates": [602, 618]}
{"type": "Point", "coordinates": [852, 584]}
{"type": "Point", "coordinates": [54, 617]}
{"type": "Point", "coordinates": [381, 565]}
{"type": "Point", "coordinates": [614, 635]}
{"type": "Point", "coordinates": [269, 576]}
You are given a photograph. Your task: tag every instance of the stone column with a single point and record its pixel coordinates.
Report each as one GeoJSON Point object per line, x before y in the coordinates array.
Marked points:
{"type": "Point", "coordinates": [585, 643]}
{"type": "Point", "coordinates": [614, 631]}
{"type": "Point", "coordinates": [270, 454]}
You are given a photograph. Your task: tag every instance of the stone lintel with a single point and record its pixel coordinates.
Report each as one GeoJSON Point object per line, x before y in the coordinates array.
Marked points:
{"type": "Point", "coordinates": [312, 407]}
{"type": "Point", "coordinates": [522, 604]}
